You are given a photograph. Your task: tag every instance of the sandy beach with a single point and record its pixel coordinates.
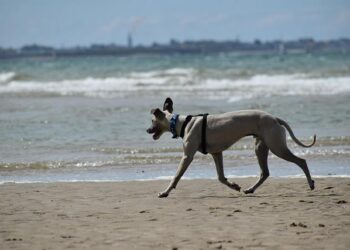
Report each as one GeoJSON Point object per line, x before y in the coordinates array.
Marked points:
{"type": "Point", "coordinates": [200, 214]}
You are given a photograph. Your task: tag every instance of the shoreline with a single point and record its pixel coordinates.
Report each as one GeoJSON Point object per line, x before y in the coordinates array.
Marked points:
{"type": "Point", "coordinates": [169, 178]}
{"type": "Point", "coordinates": [165, 178]}
{"type": "Point", "coordinates": [199, 214]}
{"type": "Point", "coordinates": [199, 170]}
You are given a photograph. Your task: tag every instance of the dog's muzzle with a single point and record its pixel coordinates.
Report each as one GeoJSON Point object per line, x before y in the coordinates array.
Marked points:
{"type": "Point", "coordinates": [156, 132]}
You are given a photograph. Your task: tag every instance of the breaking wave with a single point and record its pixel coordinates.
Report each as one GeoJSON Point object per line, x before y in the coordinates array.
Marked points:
{"type": "Point", "coordinates": [242, 153]}
{"type": "Point", "coordinates": [187, 82]}
{"type": "Point", "coordinates": [6, 77]}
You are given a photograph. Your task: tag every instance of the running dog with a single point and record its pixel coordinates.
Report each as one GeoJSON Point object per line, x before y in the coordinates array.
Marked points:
{"type": "Point", "coordinates": [215, 133]}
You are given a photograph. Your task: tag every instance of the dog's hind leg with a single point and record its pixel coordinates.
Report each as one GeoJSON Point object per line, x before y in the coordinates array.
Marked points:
{"type": "Point", "coordinates": [289, 156]}
{"type": "Point", "coordinates": [278, 145]}
{"type": "Point", "coordinates": [220, 171]}
{"type": "Point", "coordinates": [262, 152]}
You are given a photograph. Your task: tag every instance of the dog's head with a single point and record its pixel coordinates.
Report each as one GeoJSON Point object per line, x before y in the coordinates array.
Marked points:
{"type": "Point", "coordinates": [160, 119]}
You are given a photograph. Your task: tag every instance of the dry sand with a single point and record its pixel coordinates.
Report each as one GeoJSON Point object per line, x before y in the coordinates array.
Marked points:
{"type": "Point", "coordinates": [200, 214]}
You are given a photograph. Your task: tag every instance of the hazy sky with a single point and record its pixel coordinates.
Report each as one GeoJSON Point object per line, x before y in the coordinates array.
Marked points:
{"type": "Point", "coordinates": [82, 22]}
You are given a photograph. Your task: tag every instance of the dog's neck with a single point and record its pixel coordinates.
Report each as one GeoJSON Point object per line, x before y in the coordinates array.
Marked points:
{"type": "Point", "coordinates": [178, 125]}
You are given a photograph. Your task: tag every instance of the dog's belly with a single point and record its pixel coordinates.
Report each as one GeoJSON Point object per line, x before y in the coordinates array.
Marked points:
{"type": "Point", "coordinates": [219, 143]}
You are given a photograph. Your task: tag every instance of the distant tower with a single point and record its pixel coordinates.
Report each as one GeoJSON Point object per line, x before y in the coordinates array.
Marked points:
{"type": "Point", "coordinates": [281, 49]}
{"type": "Point", "coordinates": [129, 40]}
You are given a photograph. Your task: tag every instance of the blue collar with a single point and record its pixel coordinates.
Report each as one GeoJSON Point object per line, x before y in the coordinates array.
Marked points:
{"type": "Point", "coordinates": [173, 121]}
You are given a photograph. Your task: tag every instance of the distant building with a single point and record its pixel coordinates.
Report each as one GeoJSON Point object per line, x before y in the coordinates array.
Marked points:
{"type": "Point", "coordinates": [129, 40]}
{"type": "Point", "coordinates": [305, 45]}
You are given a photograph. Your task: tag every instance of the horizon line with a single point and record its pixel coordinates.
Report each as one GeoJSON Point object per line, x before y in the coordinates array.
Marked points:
{"type": "Point", "coordinates": [178, 41]}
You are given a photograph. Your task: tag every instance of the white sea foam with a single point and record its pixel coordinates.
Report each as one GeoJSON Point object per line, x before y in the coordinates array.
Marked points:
{"type": "Point", "coordinates": [168, 72]}
{"type": "Point", "coordinates": [182, 81]}
{"type": "Point", "coordinates": [6, 76]}
{"type": "Point", "coordinates": [282, 85]}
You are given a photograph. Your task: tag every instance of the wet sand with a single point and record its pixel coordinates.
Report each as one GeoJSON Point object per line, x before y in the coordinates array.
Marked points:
{"type": "Point", "coordinates": [199, 214]}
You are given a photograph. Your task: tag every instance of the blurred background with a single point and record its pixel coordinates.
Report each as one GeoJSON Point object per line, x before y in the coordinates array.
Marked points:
{"type": "Point", "coordinates": [79, 78]}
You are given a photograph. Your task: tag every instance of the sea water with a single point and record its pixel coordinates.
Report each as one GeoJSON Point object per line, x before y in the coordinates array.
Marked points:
{"type": "Point", "coordinates": [85, 118]}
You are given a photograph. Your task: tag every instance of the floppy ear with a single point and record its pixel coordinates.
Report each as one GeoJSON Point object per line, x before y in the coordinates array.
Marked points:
{"type": "Point", "coordinates": [158, 113]}
{"type": "Point", "coordinates": [168, 105]}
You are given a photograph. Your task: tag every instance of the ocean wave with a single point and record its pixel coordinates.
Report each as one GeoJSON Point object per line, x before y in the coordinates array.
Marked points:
{"type": "Point", "coordinates": [7, 76]}
{"type": "Point", "coordinates": [244, 144]}
{"type": "Point", "coordinates": [174, 72]}
{"type": "Point", "coordinates": [54, 165]}
{"type": "Point", "coordinates": [131, 160]}
{"type": "Point", "coordinates": [328, 141]}
{"type": "Point", "coordinates": [187, 82]}
{"type": "Point", "coordinates": [281, 85]}
{"type": "Point", "coordinates": [27, 166]}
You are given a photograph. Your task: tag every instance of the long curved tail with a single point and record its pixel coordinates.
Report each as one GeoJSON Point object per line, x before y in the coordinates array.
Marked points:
{"type": "Point", "coordinates": [285, 124]}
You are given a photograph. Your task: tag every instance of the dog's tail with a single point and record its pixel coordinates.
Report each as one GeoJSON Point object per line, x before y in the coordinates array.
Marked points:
{"type": "Point", "coordinates": [285, 124]}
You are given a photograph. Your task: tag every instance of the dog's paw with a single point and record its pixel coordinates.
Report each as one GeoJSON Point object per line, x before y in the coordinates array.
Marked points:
{"type": "Point", "coordinates": [162, 195]}
{"type": "Point", "coordinates": [235, 186]}
{"type": "Point", "coordinates": [312, 186]}
{"type": "Point", "coordinates": [249, 191]}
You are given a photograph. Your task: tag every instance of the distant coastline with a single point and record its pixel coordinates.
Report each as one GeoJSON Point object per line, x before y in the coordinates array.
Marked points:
{"type": "Point", "coordinates": [304, 45]}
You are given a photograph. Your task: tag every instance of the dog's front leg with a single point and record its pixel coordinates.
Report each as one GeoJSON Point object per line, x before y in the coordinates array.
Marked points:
{"type": "Point", "coordinates": [184, 163]}
{"type": "Point", "coordinates": [220, 171]}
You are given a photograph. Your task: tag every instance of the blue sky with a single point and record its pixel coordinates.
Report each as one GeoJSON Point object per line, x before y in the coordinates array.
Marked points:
{"type": "Point", "coordinates": [83, 22]}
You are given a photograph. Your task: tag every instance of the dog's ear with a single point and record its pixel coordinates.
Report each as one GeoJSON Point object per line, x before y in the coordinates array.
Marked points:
{"type": "Point", "coordinates": [158, 113]}
{"type": "Point", "coordinates": [168, 105]}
